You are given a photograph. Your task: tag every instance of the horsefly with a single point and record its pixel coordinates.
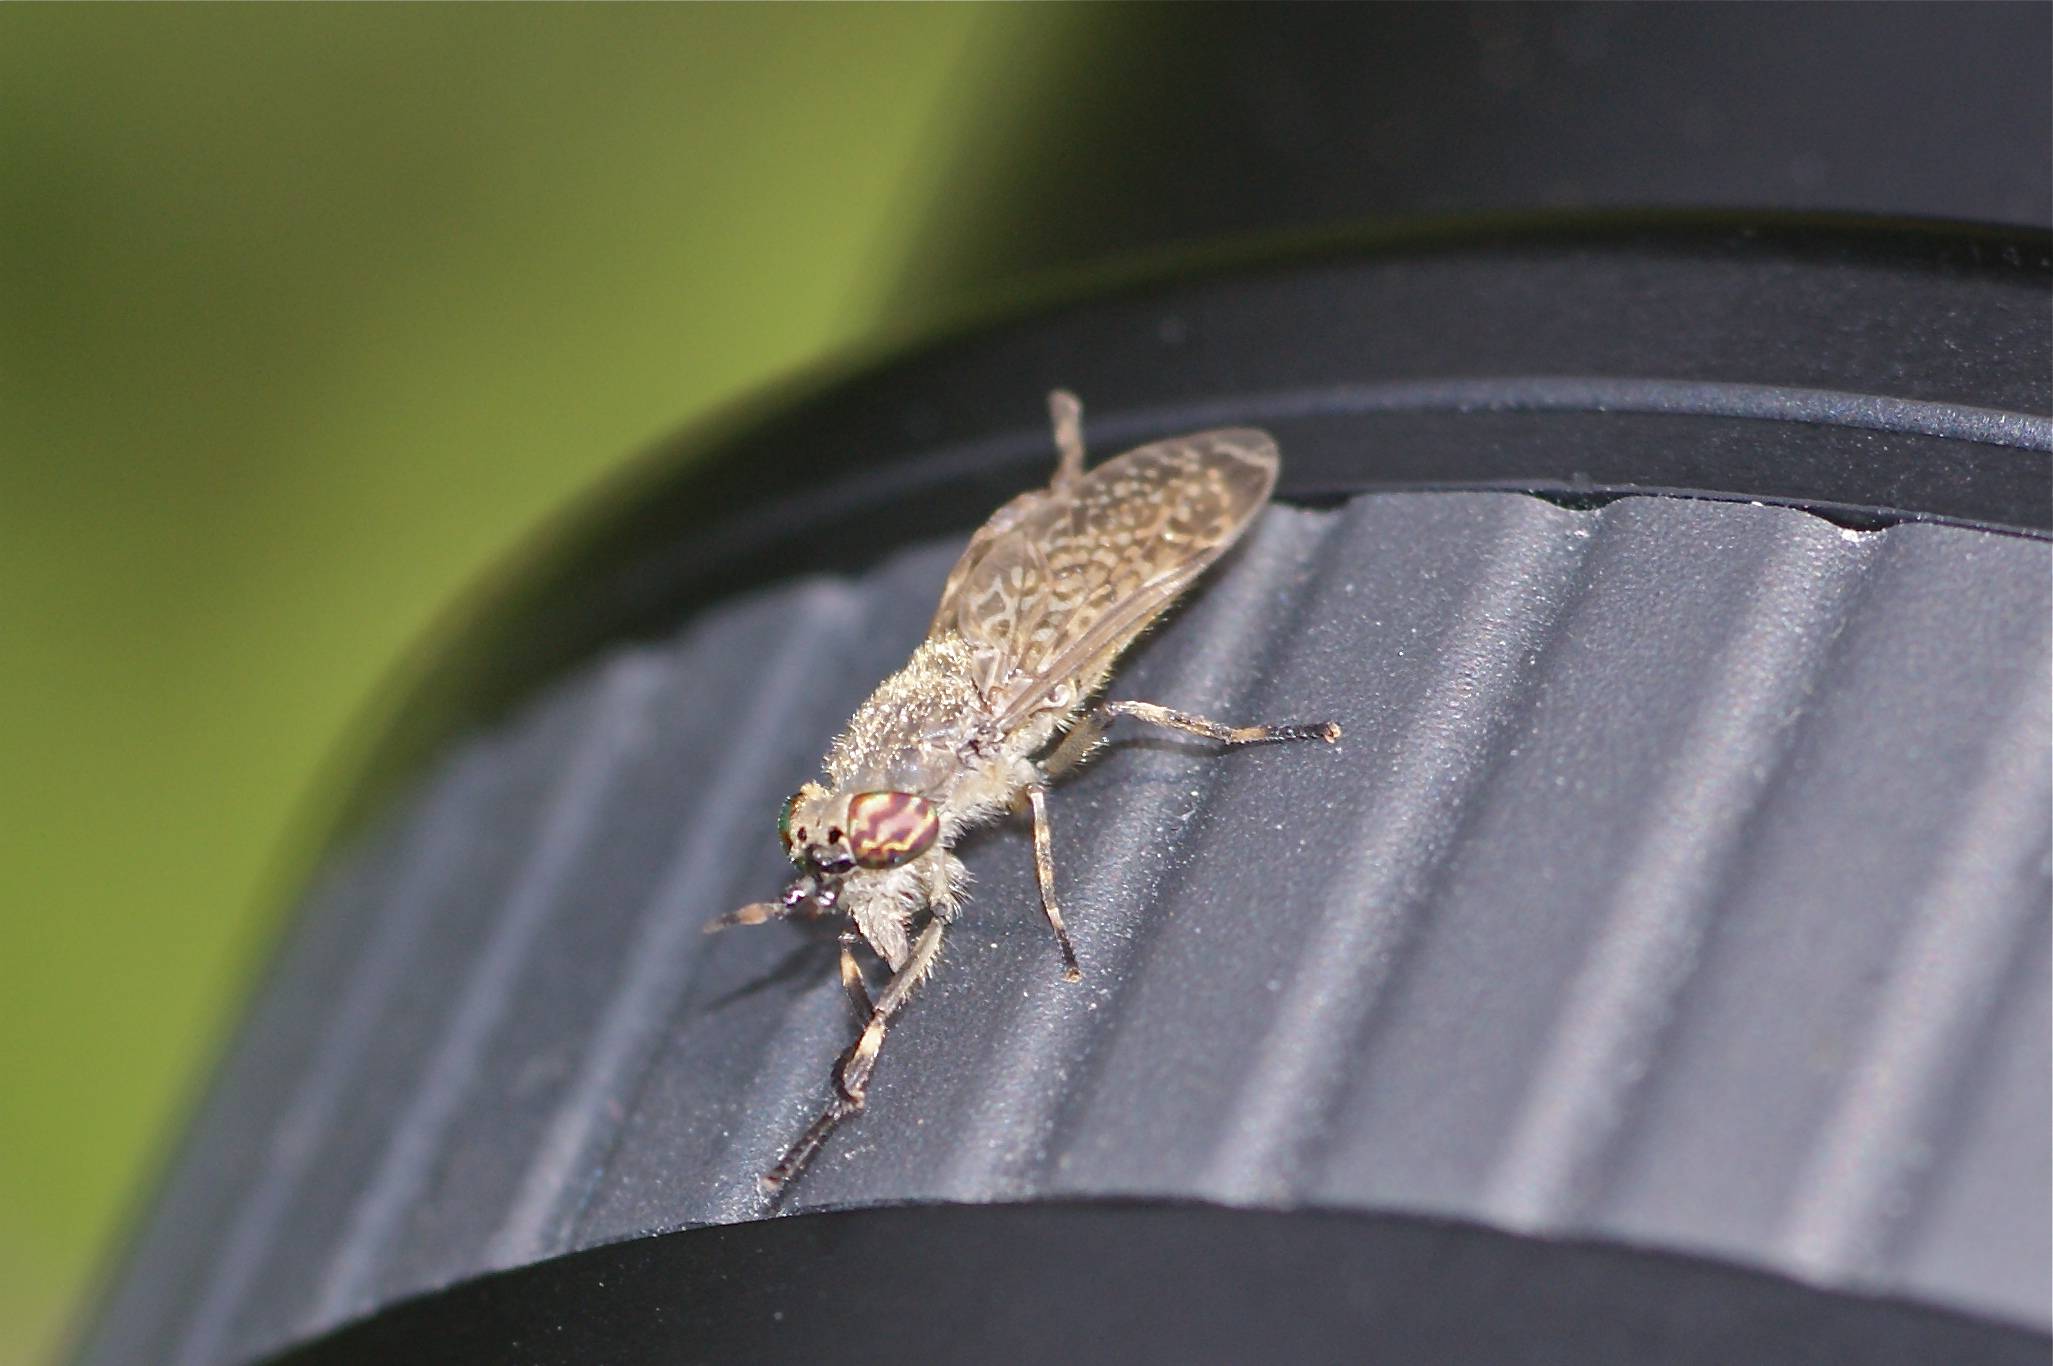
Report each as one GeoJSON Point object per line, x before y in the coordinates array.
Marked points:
{"type": "Point", "coordinates": [997, 702]}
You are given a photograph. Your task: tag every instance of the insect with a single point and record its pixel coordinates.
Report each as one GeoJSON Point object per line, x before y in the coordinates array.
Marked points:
{"type": "Point", "coordinates": [998, 701]}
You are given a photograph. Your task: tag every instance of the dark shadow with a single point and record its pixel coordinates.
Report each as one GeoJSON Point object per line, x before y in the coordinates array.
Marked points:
{"type": "Point", "coordinates": [809, 961]}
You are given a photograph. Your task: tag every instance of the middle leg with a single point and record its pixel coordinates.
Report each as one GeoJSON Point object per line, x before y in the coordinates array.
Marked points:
{"type": "Point", "coordinates": [1044, 873]}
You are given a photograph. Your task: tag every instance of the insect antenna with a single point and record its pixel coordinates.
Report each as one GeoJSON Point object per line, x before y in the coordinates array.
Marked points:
{"type": "Point", "coordinates": [807, 888]}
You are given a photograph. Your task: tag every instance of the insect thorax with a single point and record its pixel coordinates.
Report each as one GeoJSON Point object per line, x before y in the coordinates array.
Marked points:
{"type": "Point", "coordinates": [911, 734]}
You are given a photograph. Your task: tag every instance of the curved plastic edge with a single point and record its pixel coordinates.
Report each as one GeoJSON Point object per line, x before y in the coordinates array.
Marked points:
{"type": "Point", "coordinates": [1147, 1282]}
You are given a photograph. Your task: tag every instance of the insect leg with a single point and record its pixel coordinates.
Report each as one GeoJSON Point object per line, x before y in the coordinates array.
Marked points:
{"type": "Point", "coordinates": [1083, 737]}
{"type": "Point", "coordinates": [1089, 729]}
{"type": "Point", "coordinates": [852, 979]}
{"type": "Point", "coordinates": [1066, 414]}
{"type": "Point", "coordinates": [852, 1074]}
{"type": "Point", "coordinates": [1044, 873]}
{"type": "Point", "coordinates": [1197, 725]}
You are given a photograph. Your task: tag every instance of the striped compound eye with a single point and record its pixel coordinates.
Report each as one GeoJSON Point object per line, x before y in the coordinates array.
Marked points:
{"type": "Point", "coordinates": [887, 828]}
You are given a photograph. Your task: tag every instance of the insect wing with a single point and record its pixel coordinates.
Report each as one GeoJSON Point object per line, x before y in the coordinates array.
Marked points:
{"type": "Point", "coordinates": [1016, 510]}
{"type": "Point", "coordinates": [1074, 577]}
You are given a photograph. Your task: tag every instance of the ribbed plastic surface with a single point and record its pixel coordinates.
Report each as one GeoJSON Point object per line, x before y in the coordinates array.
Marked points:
{"type": "Point", "coordinates": [1683, 878]}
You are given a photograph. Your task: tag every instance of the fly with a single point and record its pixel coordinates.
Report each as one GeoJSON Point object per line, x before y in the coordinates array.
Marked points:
{"type": "Point", "coordinates": [997, 702]}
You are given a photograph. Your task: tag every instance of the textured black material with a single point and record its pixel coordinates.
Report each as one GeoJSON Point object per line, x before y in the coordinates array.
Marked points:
{"type": "Point", "coordinates": [1682, 881]}
{"type": "Point", "coordinates": [1874, 373]}
{"type": "Point", "coordinates": [1188, 122]}
{"type": "Point", "coordinates": [1127, 1283]}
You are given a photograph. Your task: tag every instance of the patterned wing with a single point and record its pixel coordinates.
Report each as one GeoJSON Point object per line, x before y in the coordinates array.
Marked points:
{"type": "Point", "coordinates": [1026, 505]}
{"type": "Point", "coordinates": [1060, 581]}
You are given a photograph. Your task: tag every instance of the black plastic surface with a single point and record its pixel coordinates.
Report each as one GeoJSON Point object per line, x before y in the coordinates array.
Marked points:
{"type": "Point", "coordinates": [1182, 123]}
{"type": "Point", "coordinates": [1681, 881]}
{"type": "Point", "coordinates": [1148, 1284]}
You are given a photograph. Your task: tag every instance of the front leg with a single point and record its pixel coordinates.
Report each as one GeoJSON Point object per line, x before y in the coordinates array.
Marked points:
{"type": "Point", "coordinates": [852, 1073]}
{"type": "Point", "coordinates": [852, 979]}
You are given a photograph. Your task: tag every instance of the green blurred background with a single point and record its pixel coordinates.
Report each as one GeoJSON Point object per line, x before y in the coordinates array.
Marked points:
{"type": "Point", "coordinates": [308, 316]}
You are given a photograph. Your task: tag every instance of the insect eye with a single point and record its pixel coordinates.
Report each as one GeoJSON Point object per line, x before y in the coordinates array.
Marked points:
{"type": "Point", "coordinates": [886, 829]}
{"type": "Point", "coordinates": [784, 818]}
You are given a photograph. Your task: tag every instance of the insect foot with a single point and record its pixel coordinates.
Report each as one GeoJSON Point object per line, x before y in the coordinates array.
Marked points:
{"type": "Point", "coordinates": [997, 702]}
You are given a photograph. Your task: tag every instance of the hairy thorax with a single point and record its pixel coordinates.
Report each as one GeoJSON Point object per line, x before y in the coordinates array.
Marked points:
{"type": "Point", "coordinates": [913, 733]}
